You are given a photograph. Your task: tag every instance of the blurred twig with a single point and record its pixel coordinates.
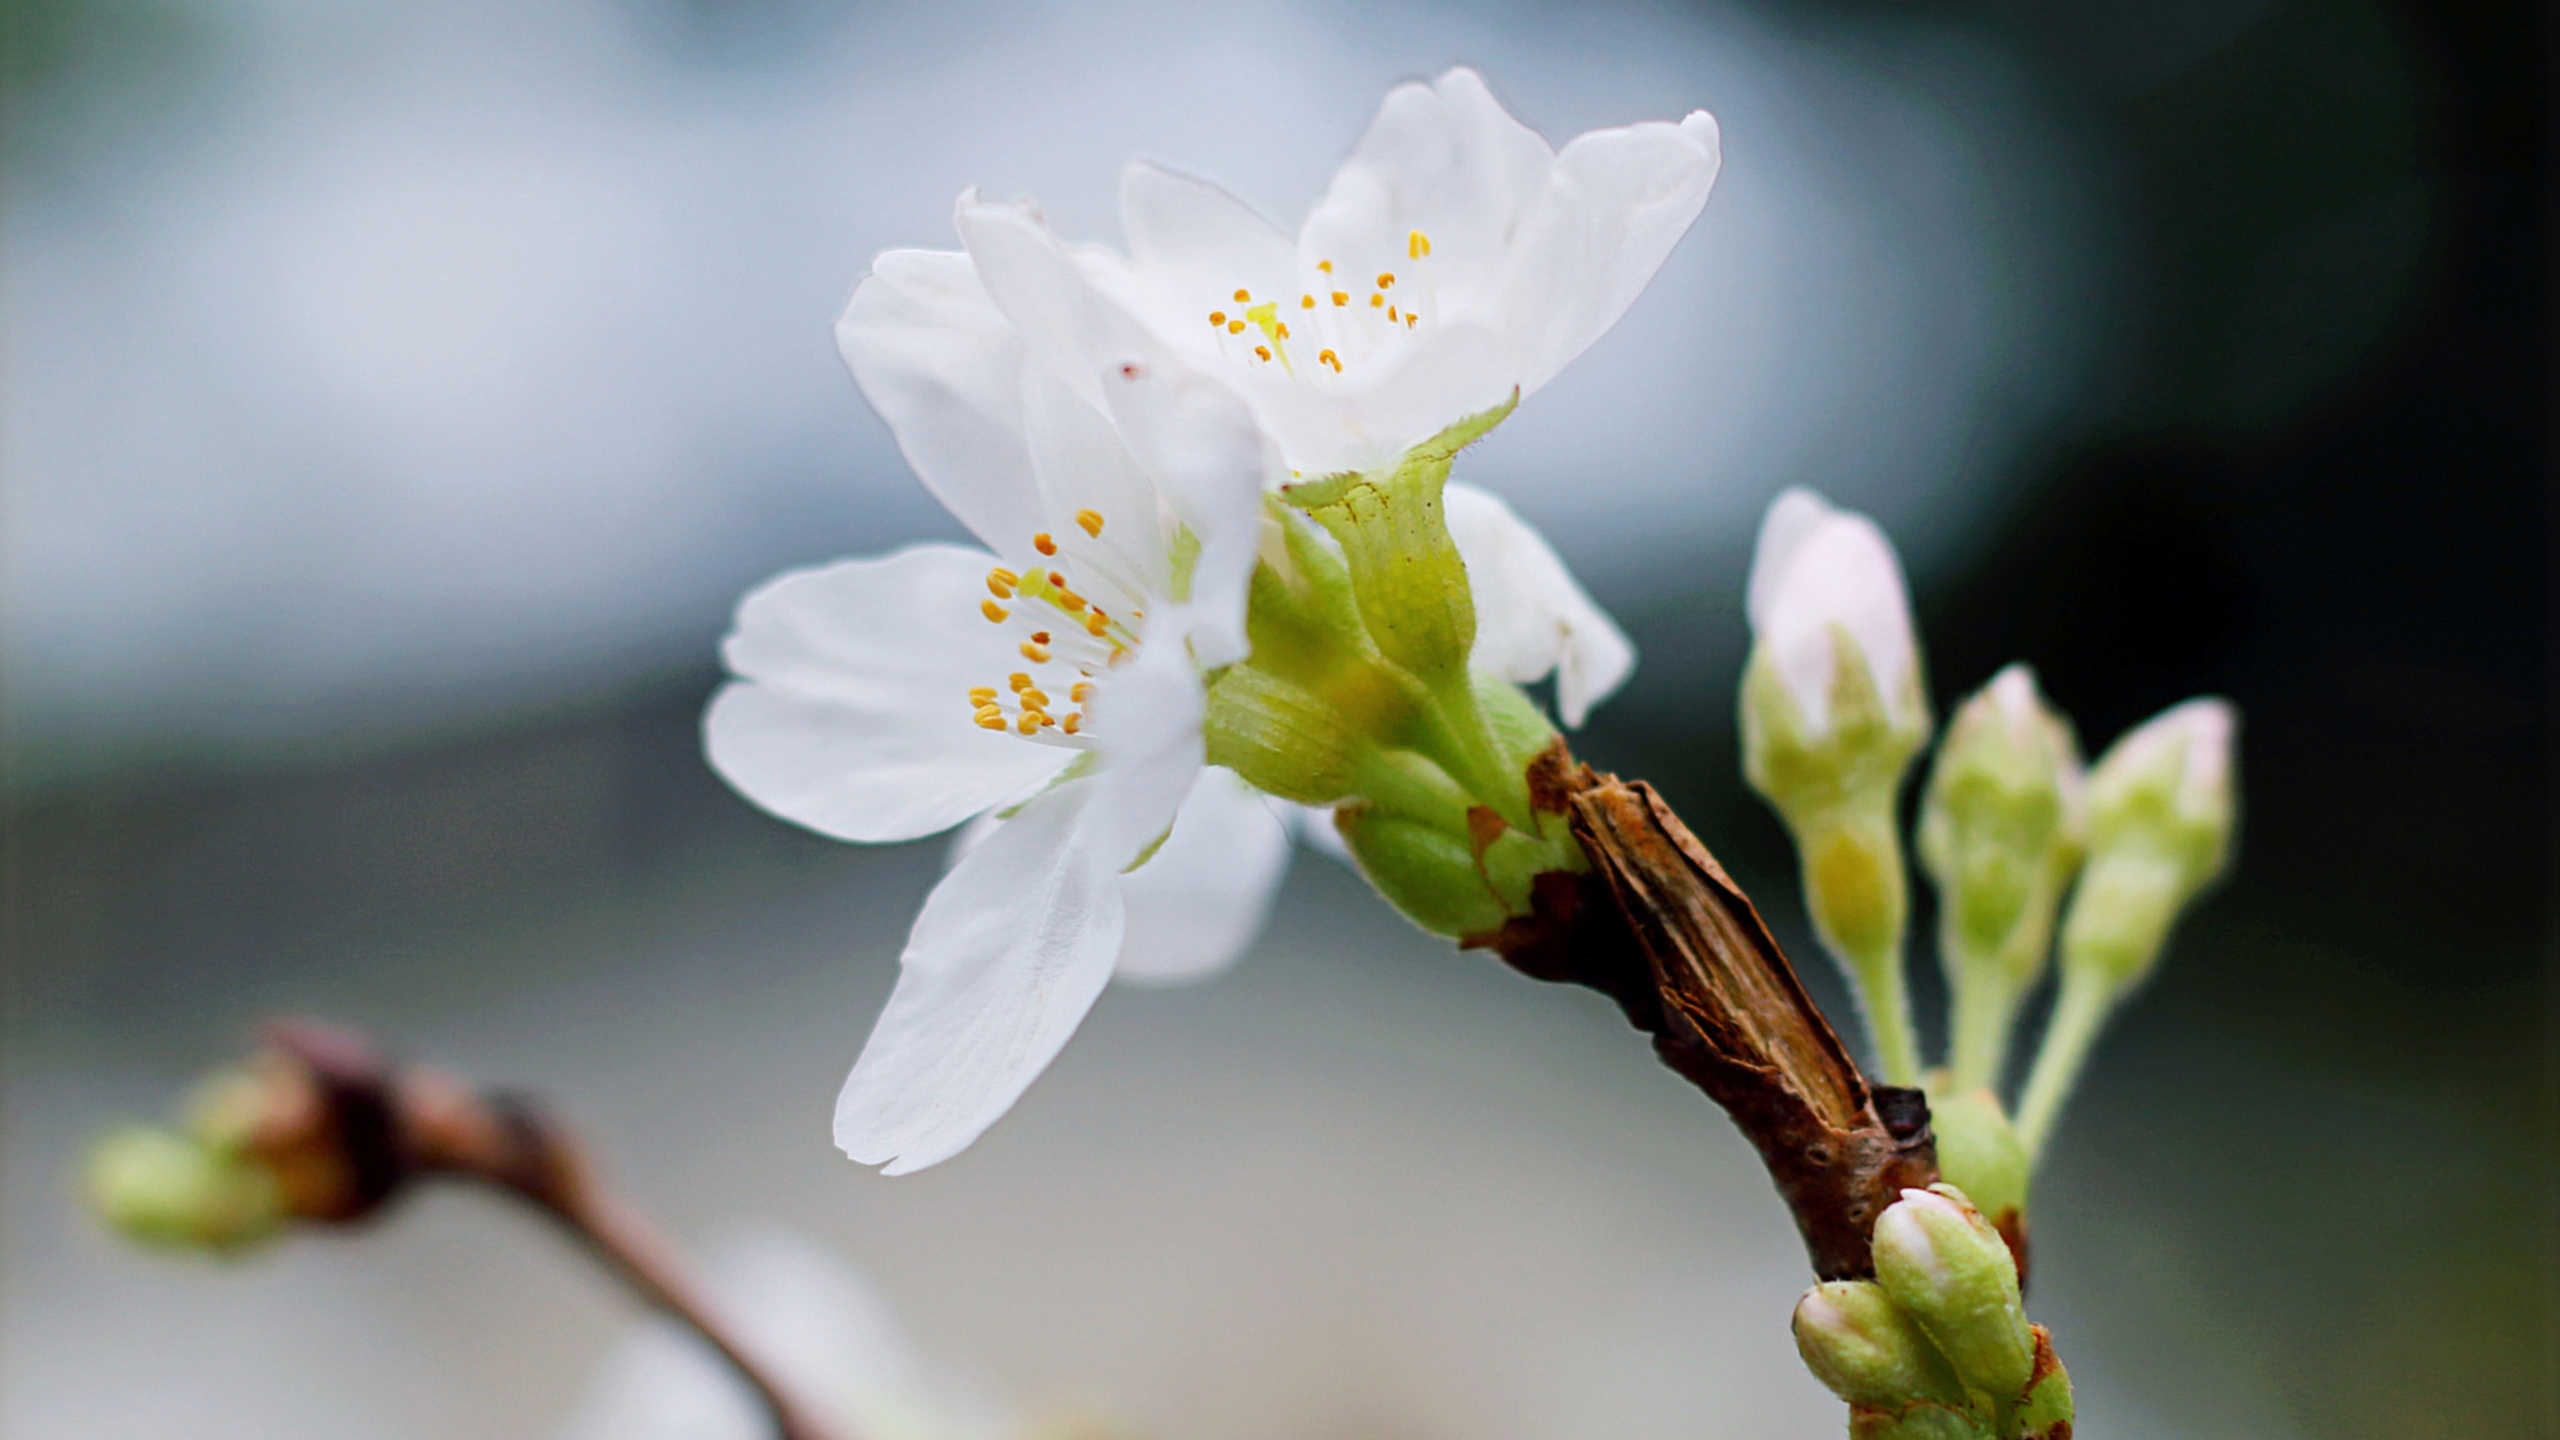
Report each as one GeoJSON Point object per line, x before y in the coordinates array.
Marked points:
{"type": "Point", "coordinates": [347, 1132]}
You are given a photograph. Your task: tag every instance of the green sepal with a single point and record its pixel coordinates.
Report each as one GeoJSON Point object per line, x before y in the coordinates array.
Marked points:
{"type": "Point", "coordinates": [1920, 1420]}
{"type": "Point", "coordinates": [1427, 872]}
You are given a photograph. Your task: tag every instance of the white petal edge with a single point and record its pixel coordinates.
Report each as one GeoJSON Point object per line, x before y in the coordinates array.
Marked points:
{"type": "Point", "coordinates": [1202, 898]}
{"type": "Point", "coordinates": [1010, 951]}
{"type": "Point", "coordinates": [850, 710]}
{"type": "Point", "coordinates": [1532, 617]}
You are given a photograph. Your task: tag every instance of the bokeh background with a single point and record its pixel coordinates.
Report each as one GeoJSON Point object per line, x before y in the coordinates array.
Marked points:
{"type": "Point", "coordinates": [398, 397]}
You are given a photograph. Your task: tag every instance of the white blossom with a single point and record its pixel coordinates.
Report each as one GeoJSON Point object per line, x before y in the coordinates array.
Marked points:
{"type": "Point", "coordinates": [1819, 570]}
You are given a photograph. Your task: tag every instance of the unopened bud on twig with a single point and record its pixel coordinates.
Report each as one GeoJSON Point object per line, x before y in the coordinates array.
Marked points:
{"type": "Point", "coordinates": [166, 1189]}
{"type": "Point", "coordinates": [2001, 827]}
{"type": "Point", "coordinates": [1833, 708]}
{"type": "Point", "coordinates": [1857, 1343]}
{"type": "Point", "coordinates": [1945, 1267]}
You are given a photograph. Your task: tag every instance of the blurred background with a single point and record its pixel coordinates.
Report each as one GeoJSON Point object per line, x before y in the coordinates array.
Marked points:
{"type": "Point", "coordinates": [397, 398]}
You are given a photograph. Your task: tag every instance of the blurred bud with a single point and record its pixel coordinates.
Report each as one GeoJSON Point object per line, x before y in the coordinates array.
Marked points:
{"type": "Point", "coordinates": [1979, 1153]}
{"type": "Point", "coordinates": [1833, 705]}
{"type": "Point", "coordinates": [2162, 803]}
{"type": "Point", "coordinates": [1868, 1352]}
{"type": "Point", "coordinates": [160, 1188]}
{"type": "Point", "coordinates": [1944, 1265]}
{"type": "Point", "coordinates": [2001, 827]}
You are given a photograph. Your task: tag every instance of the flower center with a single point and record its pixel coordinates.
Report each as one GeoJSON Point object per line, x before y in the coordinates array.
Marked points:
{"type": "Point", "coordinates": [1347, 321]}
{"type": "Point", "coordinates": [1065, 640]}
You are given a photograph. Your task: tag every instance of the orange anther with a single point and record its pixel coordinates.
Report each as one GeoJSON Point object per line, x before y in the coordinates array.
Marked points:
{"type": "Point", "coordinates": [1417, 245]}
{"type": "Point", "coordinates": [1074, 723]}
{"type": "Point", "coordinates": [1028, 723]}
{"type": "Point", "coordinates": [1327, 357]}
{"type": "Point", "coordinates": [1325, 265]}
{"type": "Point", "coordinates": [1091, 522]}
{"type": "Point", "coordinates": [1280, 332]}
{"type": "Point", "coordinates": [1082, 692]}
{"type": "Point", "coordinates": [988, 721]}
{"type": "Point", "coordinates": [1019, 681]}
{"type": "Point", "coordinates": [1306, 302]}
{"type": "Point", "coordinates": [1039, 637]}
{"type": "Point", "coordinates": [1034, 653]}
{"type": "Point", "coordinates": [994, 612]}
{"type": "Point", "coordinates": [1042, 543]}
{"type": "Point", "coordinates": [1385, 279]}
{"type": "Point", "coordinates": [1096, 623]}
{"type": "Point", "coordinates": [1235, 327]}
{"type": "Point", "coordinates": [1262, 350]}
{"type": "Point", "coordinates": [1217, 317]}
{"type": "Point", "coordinates": [1243, 295]}
{"type": "Point", "coordinates": [1377, 300]}
{"type": "Point", "coordinates": [1341, 297]}
{"type": "Point", "coordinates": [1032, 699]}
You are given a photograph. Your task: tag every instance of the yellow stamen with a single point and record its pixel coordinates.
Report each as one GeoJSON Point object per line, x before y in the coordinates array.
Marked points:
{"type": "Point", "coordinates": [1327, 357]}
{"type": "Point", "coordinates": [1018, 681]}
{"type": "Point", "coordinates": [1325, 265]}
{"type": "Point", "coordinates": [1306, 302]}
{"type": "Point", "coordinates": [1377, 300]}
{"type": "Point", "coordinates": [1409, 318]}
{"type": "Point", "coordinates": [993, 611]}
{"type": "Point", "coordinates": [1033, 699]}
{"type": "Point", "coordinates": [1096, 624]}
{"type": "Point", "coordinates": [1217, 317]}
{"type": "Point", "coordinates": [1091, 520]}
{"type": "Point", "coordinates": [1039, 637]}
{"type": "Point", "coordinates": [1264, 351]}
{"type": "Point", "coordinates": [1074, 723]}
{"type": "Point", "coordinates": [1027, 723]}
{"type": "Point", "coordinates": [1034, 653]}
{"type": "Point", "coordinates": [1235, 327]}
{"type": "Point", "coordinates": [1057, 580]}
{"type": "Point", "coordinates": [1391, 314]}
{"type": "Point", "coordinates": [1082, 692]}
{"type": "Point", "coordinates": [990, 720]}
{"type": "Point", "coordinates": [1385, 279]}
{"type": "Point", "coordinates": [1243, 295]}
{"type": "Point", "coordinates": [1417, 245]}
{"type": "Point", "coordinates": [1280, 332]}
{"type": "Point", "coordinates": [982, 695]}
{"type": "Point", "coordinates": [1042, 543]}
{"type": "Point", "coordinates": [1341, 297]}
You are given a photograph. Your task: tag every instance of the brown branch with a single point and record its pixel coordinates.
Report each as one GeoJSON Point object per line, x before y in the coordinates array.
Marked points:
{"type": "Point", "coordinates": [1659, 927]}
{"type": "Point", "coordinates": [347, 1133]}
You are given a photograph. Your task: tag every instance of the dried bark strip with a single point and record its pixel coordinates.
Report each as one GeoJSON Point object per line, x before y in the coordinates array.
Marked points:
{"type": "Point", "coordinates": [1658, 926]}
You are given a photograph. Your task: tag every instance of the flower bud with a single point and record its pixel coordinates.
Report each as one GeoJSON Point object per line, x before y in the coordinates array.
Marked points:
{"type": "Point", "coordinates": [1924, 1421]}
{"type": "Point", "coordinates": [166, 1189]}
{"type": "Point", "coordinates": [2001, 826]}
{"type": "Point", "coordinates": [1944, 1265]}
{"type": "Point", "coordinates": [1868, 1352]}
{"type": "Point", "coordinates": [1833, 705]}
{"type": "Point", "coordinates": [2162, 803]}
{"type": "Point", "coordinates": [1832, 711]}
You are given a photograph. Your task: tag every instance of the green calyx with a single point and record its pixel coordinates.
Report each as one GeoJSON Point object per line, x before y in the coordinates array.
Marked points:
{"type": "Point", "coordinates": [1358, 695]}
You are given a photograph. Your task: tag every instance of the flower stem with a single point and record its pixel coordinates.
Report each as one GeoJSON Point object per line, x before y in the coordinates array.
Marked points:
{"type": "Point", "coordinates": [1884, 998]}
{"type": "Point", "coordinates": [2078, 1013]}
{"type": "Point", "coordinates": [1986, 1009]}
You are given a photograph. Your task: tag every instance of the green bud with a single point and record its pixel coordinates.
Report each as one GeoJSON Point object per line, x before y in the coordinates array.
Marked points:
{"type": "Point", "coordinates": [1428, 872]}
{"type": "Point", "coordinates": [160, 1188]}
{"type": "Point", "coordinates": [2001, 826]}
{"type": "Point", "coordinates": [2162, 805]}
{"type": "Point", "coordinates": [1979, 1151]}
{"type": "Point", "coordinates": [1944, 1265]}
{"type": "Point", "coordinates": [1866, 1351]}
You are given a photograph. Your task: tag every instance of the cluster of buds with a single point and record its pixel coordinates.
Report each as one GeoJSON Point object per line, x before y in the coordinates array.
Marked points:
{"type": "Point", "coordinates": [2023, 846]}
{"type": "Point", "coordinates": [1937, 1346]}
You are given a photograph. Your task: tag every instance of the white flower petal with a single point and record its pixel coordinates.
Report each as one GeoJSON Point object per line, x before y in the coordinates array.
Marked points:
{"type": "Point", "coordinates": [1009, 953]}
{"type": "Point", "coordinates": [945, 369]}
{"type": "Point", "coordinates": [1067, 326]}
{"type": "Point", "coordinates": [850, 713]}
{"type": "Point", "coordinates": [1531, 616]}
{"type": "Point", "coordinates": [1189, 237]}
{"type": "Point", "coordinates": [1146, 724]}
{"type": "Point", "coordinates": [1816, 567]}
{"type": "Point", "coordinates": [1200, 900]}
{"type": "Point", "coordinates": [1212, 467]}
{"type": "Point", "coordinates": [1624, 198]}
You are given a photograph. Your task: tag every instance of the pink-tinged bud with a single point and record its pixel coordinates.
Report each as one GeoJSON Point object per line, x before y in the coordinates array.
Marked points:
{"type": "Point", "coordinates": [1944, 1266]}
